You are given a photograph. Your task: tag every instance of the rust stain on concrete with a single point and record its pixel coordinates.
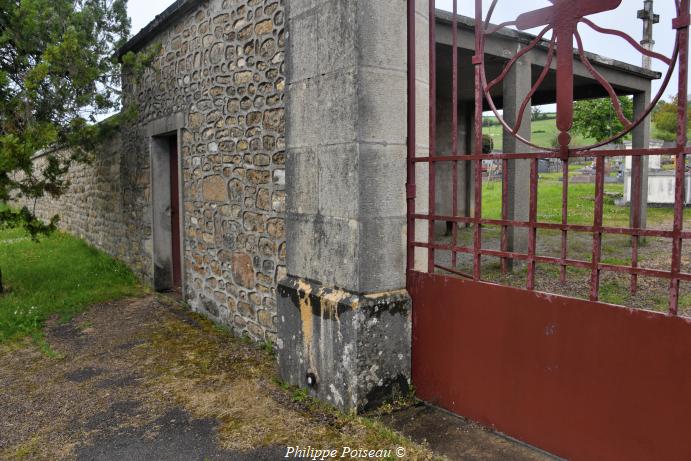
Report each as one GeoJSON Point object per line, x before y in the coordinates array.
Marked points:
{"type": "Point", "coordinates": [307, 320]}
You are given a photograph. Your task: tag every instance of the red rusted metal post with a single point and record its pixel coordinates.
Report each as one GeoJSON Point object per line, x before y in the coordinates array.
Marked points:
{"type": "Point", "coordinates": [597, 228]}
{"type": "Point", "coordinates": [432, 127]}
{"type": "Point", "coordinates": [505, 213]}
{"type": "Point", "coordinates": [532, 231]}
{"type": "Point", "coordinates": [682, 24]}
{"type": "Point", "coordinates": [477, 61]}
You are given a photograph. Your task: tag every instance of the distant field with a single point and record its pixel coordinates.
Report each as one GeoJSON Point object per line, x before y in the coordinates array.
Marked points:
{"type": "Point", "coordinates": [543, 132]}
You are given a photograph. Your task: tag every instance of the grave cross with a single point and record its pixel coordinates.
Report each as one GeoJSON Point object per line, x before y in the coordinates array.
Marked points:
{"type": "Point", "coordinates": [563, 17]}
{"type": "Point", "coordinates": [649, 19]}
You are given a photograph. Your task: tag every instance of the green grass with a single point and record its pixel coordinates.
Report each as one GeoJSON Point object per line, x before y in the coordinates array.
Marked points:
{"type": "Point", "coordinates": [59, 275]}
{"type": "Point", "coordinates": [543, 133]}
{"type": "Point", "coordinates": [581, 202]}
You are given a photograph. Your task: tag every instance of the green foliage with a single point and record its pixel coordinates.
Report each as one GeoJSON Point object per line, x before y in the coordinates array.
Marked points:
{"type": "Point", "coordinates": [597, 118]}
{"type": "Point", "coordinates": [487, 144]}
{"type": "Point", "coordinates": [268, 347]}
{"type": "Point", "coordinates": [543, 132]}
{"type": "Point", "coordinates": [300, 394]}
{"type": "Point", "coordinates": [33, 225]}
{"type": "Point", "coordinates": [136, 63]}
{"type": "Point", "coordinates": [665, 118]}
{"type": "Point", "coordinates": [58, 74]}
{"type": "Point", "coordinates": [61, 276]}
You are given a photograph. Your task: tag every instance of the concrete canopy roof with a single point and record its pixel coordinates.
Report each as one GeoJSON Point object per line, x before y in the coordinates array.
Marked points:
{"type": "Point", "coordinates": [625, 78]}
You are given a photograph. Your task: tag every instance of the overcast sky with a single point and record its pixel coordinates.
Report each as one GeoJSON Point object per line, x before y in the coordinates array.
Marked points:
{"type": "Point", "coordinates": [143, 11]}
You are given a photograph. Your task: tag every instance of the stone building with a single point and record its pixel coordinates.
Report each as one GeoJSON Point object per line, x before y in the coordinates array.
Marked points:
{"type": "Point", "coordinates": [266, 177]}
{"type": "Point", "coordinates": [215, 94]}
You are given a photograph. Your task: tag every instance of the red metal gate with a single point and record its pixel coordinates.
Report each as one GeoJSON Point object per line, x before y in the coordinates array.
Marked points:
{"type": "Point", "coordinates": [580, 378]}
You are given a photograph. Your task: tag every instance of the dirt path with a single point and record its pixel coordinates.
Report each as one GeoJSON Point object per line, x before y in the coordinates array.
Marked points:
{"type": "Point", "coordinates": [144, 380]}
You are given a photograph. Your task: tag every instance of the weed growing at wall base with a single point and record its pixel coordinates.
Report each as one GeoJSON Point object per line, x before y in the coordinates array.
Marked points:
{"type": "Point", "coordinates": [59, 275]}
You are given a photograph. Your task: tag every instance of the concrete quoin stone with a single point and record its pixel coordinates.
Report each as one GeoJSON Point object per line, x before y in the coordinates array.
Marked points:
{"type": "Point", "coordinates": [346, 140]}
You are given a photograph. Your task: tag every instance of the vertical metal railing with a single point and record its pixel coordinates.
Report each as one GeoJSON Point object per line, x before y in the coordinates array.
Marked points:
{"type": "Point", "coordinates": [597, 227]}
{"type": "Point", "coordinates": [474, 162]}
{"type": "Point", "coordinates": [682, 23]}
{"type": "Point", "coordinates": [432, 127]}
{"type": "Point", "coordinates": [454, 129]}
{"type": "Point", "coordinates": [477, 62]}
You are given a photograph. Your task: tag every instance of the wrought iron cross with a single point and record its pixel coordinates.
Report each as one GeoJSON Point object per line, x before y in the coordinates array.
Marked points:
{"type": "Point", "coordinates": [563, 17]}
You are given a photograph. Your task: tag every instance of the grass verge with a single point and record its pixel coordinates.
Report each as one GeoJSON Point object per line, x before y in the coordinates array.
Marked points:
{"type": "Point", "coordinates": [58, 275]}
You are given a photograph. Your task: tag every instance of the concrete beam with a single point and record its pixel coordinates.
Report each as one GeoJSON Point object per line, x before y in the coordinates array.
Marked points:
{"type": "Point", "coordinates": [444, 174]}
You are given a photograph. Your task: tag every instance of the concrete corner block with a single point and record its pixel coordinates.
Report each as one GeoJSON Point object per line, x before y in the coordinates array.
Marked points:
{"type": "Point", "coordinates": [383, 243]}
{"type": "Point", "coordinates": [302, 53]}
{"type": "Point", "coordinates": [322, 110]}
{"type": "Point", "coordinates": [382, 193]}
{"type": "Point", "coordinates": [324, 248]}
{"type": "Point", "coordinates": [295, 8]}
{"type": "Point", "coordinates": [382, 33]}
{"type": "Point", "coordinates": [337, 41]}
{"type": "Point", "coordinates": [338, 180]}
{"type": "Point", "coordinates": [382, 103]}
{"type": "Point", "coordinates": [302, 250]}
{"type": "Point", "coordinates": [302, 181]}
{"type": "Point", "coordinates": [350, 350]}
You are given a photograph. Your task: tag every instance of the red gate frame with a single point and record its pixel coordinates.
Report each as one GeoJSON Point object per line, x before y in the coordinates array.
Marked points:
{"type": "Point", "coordinates": [582, 379]}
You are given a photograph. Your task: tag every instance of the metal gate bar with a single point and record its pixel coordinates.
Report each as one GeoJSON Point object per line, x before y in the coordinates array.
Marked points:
{"type": "Point", "coordinates": [432, 127]}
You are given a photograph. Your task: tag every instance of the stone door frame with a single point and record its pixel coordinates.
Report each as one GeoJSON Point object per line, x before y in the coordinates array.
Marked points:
{"type": "Point", "coordinates": [159, 133]}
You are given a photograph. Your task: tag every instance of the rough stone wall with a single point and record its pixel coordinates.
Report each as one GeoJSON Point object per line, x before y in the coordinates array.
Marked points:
{"type": "Point", "coordinates": [221, 65]}
{"type": "Point", "coordinates": [94, 207]}
{"type": "Point", "coordinates": [220, 69]}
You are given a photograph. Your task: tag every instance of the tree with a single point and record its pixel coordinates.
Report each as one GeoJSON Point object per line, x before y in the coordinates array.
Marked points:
{"type": "Point", "coordinates": [597, 118]}
{"type": "Point", "coordinates": [58, 74]}
{"type": "Point", "coordinates": [665, 118]}
{"type": "Point", "coordinates": [536, 113]}
{"type": "Point", "coordinates": [487, 144]}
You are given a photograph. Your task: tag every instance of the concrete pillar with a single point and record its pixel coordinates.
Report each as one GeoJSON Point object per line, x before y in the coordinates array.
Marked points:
{"type": "Point", "coordinates": [344, 316]}
{"type": "Point", "coordinates": [641, 140]}
{"type": "Point", "coordinates": [517, 85]}
{"type": "Point", "coordinates": [444, 174]}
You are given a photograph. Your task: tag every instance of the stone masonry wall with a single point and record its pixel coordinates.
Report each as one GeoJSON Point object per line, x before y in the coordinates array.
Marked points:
{"type": "Point", "coordinates": [94, 208]}
{"type": "Point", "coordinates": [220, 68]}
{"type": "Point", "coordinates": [221, 65]}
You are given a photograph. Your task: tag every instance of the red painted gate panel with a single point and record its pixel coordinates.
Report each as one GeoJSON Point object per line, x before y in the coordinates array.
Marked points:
{"type": "Point", "coordinates": [581, 380]}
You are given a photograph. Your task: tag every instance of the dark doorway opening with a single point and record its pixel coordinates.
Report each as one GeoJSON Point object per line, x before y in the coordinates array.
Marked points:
{"type": "Point", "coordinates": [167, 214]}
